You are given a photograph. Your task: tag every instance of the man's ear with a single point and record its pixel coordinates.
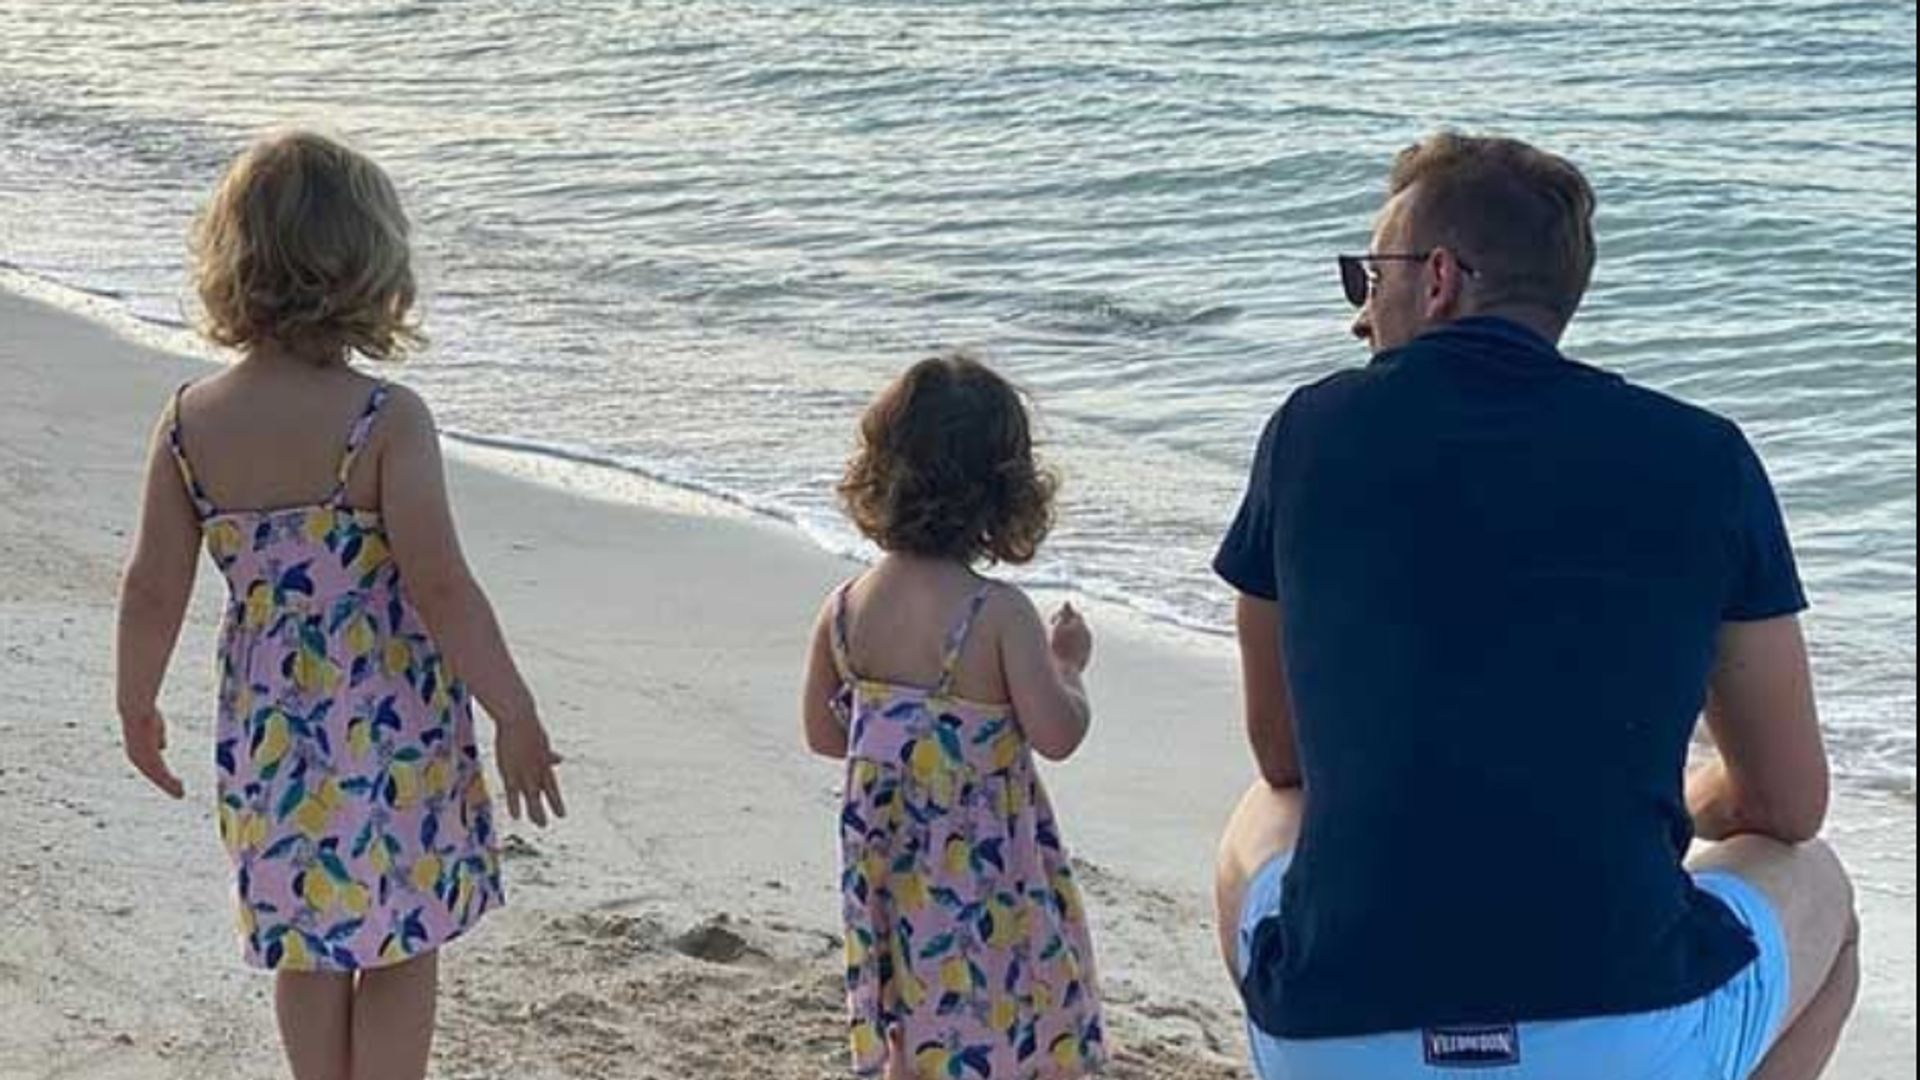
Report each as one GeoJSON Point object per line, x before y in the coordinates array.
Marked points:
{"type": "Point", "coordinates": [1445, 286]}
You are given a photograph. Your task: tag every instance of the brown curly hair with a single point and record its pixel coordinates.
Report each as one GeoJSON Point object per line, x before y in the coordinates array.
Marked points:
{"type": "Point", "coordinates": [946, 467]}
{"type": "Point", "coordinates": [304, 246]}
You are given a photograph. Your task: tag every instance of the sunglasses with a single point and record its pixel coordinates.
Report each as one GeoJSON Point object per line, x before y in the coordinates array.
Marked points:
{"type": "Point", "coordinates": [1357, 275]}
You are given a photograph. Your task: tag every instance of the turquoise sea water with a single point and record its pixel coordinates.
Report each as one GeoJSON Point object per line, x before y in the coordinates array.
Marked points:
{"type": "Point", "coordinates": [690, 238]}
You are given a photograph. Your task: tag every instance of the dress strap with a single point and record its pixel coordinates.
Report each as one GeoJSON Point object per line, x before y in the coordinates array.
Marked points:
{"type": "Point", "coordinates": [357, 440]}
{"type": "Point", "coordinates": [842, 650]}
{"type": "Point", "coordinates": [957, 640]}
{"type": "Point", "coordinates": [203, 507]}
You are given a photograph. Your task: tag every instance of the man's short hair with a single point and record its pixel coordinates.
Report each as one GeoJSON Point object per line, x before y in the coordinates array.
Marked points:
{"type": "Point", "coordinates": [1520, 217]}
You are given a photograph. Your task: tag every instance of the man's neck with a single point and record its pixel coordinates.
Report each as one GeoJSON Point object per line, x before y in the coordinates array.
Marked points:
{"type": "Point", "coordinates": [1540, 322]}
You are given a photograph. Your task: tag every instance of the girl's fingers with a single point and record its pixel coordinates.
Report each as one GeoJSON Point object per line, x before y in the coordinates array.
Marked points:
{"type": "Point", "coordinates": [159, 775]}
{"type": "Point", "coordinates": [164, 779]}
{"type": "Point", "coordinates": [147, 760]}
{"type": "Point", "coordinates": [533, 791]}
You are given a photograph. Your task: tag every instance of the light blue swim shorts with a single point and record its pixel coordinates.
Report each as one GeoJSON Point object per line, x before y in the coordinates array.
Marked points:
{"type": "Point", "coordinates": [1726, 1036]}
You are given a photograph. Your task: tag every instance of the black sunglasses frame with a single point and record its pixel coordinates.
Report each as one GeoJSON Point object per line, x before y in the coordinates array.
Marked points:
{"type": "Point", "coordinates": [1356, 276]}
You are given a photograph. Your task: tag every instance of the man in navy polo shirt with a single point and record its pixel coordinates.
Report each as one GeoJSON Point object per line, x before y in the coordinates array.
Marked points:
{"type": "Point", "coordinates": [1487, 593]}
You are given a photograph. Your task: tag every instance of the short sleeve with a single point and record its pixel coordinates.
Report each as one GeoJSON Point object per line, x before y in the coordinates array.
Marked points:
{"type": "Point", "coordinates": [1765, 580]}
{"type": "Point", "coordinates": [1246, 557]}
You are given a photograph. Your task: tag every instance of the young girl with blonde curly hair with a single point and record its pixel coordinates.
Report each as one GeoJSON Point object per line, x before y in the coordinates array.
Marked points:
{"type": "Point", "coordinates": [351, 793]}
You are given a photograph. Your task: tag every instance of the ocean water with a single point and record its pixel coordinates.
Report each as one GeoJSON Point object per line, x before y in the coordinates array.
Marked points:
{"type": "Point", "coordinates": [689, 238]}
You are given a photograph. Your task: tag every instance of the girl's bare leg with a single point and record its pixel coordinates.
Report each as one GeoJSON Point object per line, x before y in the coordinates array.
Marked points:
{"type": "Point", "coordinates": [393, 1017]}
{"type": "Point", "coordinates": [316, 1023]}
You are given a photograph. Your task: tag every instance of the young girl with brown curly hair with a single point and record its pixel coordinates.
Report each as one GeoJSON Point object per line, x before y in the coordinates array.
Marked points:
{"type": "Point", "coordinates": [968, 952]}
{"type": "Point", "coordinates": [351, 794]}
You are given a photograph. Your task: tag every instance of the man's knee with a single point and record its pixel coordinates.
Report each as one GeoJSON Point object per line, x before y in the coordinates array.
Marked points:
{"type": "Point", "coordinates": [1839, 881]}
{"type": "Point", "coordinates": [1812, 870]}
{"type": "Point", "coordinates": [1822, 884]}
{"type": "Point", "coordinates": [1847, 967]}
{"type": "Point", "coordinates": [1806, 884]}
{"type": "Point", "coordinates": [1239, 842]}
{"type": "Point", "coordinates": [1835, 900]}
{"type": "Point", "coordinates": [1266, 825]}
{"type": "Point", "coordinates": [1813, 896]}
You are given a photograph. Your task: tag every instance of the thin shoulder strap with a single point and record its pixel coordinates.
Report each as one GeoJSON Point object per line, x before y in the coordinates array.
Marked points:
{"type": "Point", "coordinates": [357, 440]}
{"type": "Point", "coordinates": [842, 650]}
{"type": "Point", "coordinates": [957, 639]}
{"type": "Point", "coordinates": [203, 507]}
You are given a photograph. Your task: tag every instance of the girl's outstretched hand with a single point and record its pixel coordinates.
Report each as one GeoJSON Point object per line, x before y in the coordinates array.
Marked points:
{"type": "Point", "coordinates": [1072, 639]}
{"type": "Point", "coordinates": [145, 732]}
{"type": "Point", "coordinates": [527, 762]}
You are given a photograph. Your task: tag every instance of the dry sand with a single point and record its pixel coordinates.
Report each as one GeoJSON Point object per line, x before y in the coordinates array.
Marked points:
{"type": "Point", "coordinates": [682, 923]}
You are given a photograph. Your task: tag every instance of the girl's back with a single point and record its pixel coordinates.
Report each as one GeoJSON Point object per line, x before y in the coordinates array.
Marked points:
{"type": "Point", "coordinates": [901, 620]}
{"type": "Point", "coordinates": [351, 795]}
{"type": "Point", "coordinates": [265, 436]}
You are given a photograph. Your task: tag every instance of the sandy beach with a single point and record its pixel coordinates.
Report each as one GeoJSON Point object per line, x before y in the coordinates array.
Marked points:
{"type": "Point", "coordinates": [682, 923]}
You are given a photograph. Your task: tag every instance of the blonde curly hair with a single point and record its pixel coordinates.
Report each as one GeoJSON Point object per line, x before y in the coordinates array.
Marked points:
{"type": "Point", "coordinates": [304, 246]}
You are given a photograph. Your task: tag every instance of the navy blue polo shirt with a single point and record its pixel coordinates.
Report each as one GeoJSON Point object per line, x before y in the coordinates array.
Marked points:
{"type": "Point", "coordinates": [1502, 575]}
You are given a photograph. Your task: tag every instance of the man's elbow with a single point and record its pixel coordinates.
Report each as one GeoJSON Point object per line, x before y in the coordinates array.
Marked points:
{"type": "Point", "coordinates": [1282, 778]}
{"type": "Point", "coordinates": [1803, 822]}
{"type": "Point", "coordinates": [1274, 751]}
{"type": "Point", "coordinates": [1796, 818]}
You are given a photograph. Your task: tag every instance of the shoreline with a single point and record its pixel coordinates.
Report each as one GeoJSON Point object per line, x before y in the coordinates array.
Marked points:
{"type": "Point", "coordinates": [589, 474]}
{"type": "Point", "coordinates": [685, 917]}
{"type": "Point", "coordinates": [581, 472]}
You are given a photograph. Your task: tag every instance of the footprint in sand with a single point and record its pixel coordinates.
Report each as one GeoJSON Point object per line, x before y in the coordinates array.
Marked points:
{"type": "Point", "coordinates": [519, 847]}
{"type": "Point", "coordinates": [716, 942]}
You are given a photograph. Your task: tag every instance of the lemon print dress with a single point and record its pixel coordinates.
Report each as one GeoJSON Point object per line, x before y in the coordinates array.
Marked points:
{"type": "Point", "coordinates": [965, 930]}
{"type": "Point", "coordinates": [352, 798]}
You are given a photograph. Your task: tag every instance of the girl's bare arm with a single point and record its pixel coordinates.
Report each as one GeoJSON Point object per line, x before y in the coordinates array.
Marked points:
{"type": "Point", "coordinates": [154, 593]}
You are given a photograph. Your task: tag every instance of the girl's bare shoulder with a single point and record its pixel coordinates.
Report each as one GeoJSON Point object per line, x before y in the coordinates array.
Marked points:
{"type": "Point", "coordinates": [1008, 608]}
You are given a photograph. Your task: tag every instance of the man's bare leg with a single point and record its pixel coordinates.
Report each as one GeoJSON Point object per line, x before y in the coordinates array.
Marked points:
{"type": "Point", "coordinates": [1810, 891]}
{"type": "Point", "coordinates": [1266, 826]}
